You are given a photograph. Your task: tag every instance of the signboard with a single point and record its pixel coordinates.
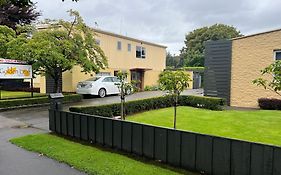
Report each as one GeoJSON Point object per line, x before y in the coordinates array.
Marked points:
{"type": "Point", "coordinates": [7, 61]}
{"type": "Point", "coordinates": [15, 71]}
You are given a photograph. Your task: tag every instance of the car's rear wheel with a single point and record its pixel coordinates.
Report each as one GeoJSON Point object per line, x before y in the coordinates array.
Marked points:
{"type": "Point", "coordinates": [102, 93]}
{"type": "Point", "coordinates": [129, 91]}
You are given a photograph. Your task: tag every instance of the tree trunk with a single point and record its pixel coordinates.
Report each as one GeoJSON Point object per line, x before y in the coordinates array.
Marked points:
{"type": "Point", "coordinates": [175, 110]}
{"type": "Point", "coordinates": [57, 78]}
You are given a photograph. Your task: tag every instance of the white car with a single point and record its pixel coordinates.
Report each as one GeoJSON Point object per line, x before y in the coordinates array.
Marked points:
{"type": "Point", "coordinates": [99, 85]}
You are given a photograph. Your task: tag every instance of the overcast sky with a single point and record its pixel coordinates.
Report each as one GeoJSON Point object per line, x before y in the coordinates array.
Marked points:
{"type": "Point", "coordinates": [167, 21]}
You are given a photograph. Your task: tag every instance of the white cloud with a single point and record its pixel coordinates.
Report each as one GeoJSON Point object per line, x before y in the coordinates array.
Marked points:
{"type": "Point", "coordinates": [167, 21]}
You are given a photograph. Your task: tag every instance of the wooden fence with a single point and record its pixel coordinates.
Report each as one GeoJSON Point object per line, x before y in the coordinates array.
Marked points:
{"type": "Point", "coordinates": [191, 151]}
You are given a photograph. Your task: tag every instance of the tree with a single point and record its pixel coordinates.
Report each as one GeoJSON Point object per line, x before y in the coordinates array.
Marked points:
{"type": "Point", "coordinates": [174, 61]}
{"type": "Point", "coordinates": [57, 49]}
{"type": "Point", "coordinates": [273, 80]}
{"type": "Point", "coordinates": [17, 12]}
{"type": "Point", "coordinates": [175, 82]}
{"type": "Point", "coordinates": [6, 35]}
{"type": "Point", "coordinates": [193, 52]}
{"type": "Point", "coordinates": [124, 88]}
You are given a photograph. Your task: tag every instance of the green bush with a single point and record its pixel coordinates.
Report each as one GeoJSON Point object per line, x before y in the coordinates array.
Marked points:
{"type": "Point", "coordinates": [151, 88]}
{"type": "Point", "coordinates": [36, 100]}
{"type": "Point", "coordinates": [136, 106]}
{"type": "Point", "coordinates": [211, 103]}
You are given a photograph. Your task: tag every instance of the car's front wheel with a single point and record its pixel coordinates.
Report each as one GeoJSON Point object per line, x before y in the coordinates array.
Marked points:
{"type": "Point", "coordinates": [102, 93]}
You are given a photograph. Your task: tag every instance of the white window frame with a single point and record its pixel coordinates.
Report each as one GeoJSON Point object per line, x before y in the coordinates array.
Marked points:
{"type": "Point", "coordinates": [274, 54]}
{"type": "Point", "coordinates": [142, 56]}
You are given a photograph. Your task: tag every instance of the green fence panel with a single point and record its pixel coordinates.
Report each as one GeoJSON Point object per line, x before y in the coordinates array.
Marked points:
{"type": "Point", "coordinates": [137, 139]}
{"type": "Point", "coordinates": [117, 134]}
{"type": "Point", "coordinates": [160, 149]}
{"type": "Point", "coordinates": [174, 147]}
{"type": "Point", "coordinates": [64, 123]}
{"type": "Point", "coordinates": [77, 126]}
{"type": "Point", "coordinates": [240, 158]}
{"type": "Point", "coordinates": [204, 154]}
{"type": "Point", "coordinates": [92, 129]}
{"type": "Point", "coordinates": [148, 141]}
{"type": "Point", "coordinates": [100, 130]}
{"type": "Point", "coordinates": [188, 150]}
{"type": "Point", "coordinates": [70, 124]}
{"type": "Point", "coordinates": [52, 123]}
{"type": "Point", "coordinates": [84, 127]}
{"type": "Point", "coordinates": [276, 161]}
{"type": "Point", "coordinates": [261, 160]}
{"type": "Point", "coordinates": [127, 136]}
{"type": "Point", "coordinates": [221, 156]}
{"type": "Point", "coordinates": [58, 122]}
{"type": "Point", "coordinates": [108, 132]}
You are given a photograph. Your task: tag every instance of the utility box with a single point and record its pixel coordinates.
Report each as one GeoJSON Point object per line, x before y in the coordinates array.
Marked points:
{"type": "Point", "coordinates": [56, 100]}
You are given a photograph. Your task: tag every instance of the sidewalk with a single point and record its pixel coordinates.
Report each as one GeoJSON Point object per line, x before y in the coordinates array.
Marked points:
{"type": "Point", "coordinates": [17, 161]}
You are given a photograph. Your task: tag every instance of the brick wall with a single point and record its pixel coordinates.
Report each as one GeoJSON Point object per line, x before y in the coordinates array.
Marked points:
{"type": "Point", "coordinates": [249, 56]}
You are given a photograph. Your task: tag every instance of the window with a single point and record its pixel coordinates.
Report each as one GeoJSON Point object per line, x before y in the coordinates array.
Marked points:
{"type": "Point", "coordinates": [277, 55]}
{"type": "Point", "coordinates": [103, 74]}
{"type": "Point", "coordinates": [129, 47]}
{"type": "Point", "coordinates": [119, 45]}
{"type": "Point", "coordinates": [140, 52]}
{"type": "Point", "coordinates": [107, 79]}
{"type": "Point", "coordinates": [97, 41]}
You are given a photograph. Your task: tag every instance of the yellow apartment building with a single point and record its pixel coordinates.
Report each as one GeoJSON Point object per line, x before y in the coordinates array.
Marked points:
{"type": "Point", "coordinates": [143, 60]}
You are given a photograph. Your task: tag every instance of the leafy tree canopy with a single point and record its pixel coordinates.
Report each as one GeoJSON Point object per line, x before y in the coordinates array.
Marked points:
{"type": "Point", "coordinates": [193, 52]}
{"type": "Point", "coordinates": [174, 61]}
{"type": "Point", "coordinates": [58, 48]}
{"type": "Point", "coordinates": [17, 12]}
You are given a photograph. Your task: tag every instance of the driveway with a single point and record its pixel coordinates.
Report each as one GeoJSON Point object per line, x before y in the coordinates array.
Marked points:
{"type": "Point", "coordinates": [38, 117]}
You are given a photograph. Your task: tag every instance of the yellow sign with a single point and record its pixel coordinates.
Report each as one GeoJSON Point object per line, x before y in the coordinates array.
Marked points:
{"type": "Point", "coordinates": [15, 71]}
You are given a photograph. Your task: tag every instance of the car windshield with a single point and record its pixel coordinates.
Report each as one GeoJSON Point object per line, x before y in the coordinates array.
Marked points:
{"type": "Point", "coordinates": [93, 79]}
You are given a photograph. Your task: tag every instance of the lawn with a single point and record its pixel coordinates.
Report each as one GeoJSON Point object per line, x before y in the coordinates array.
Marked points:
{"type": "Point", "coordinates": [262, 126]}
{"type": "Point", "coordinates": [91, 159]}
{"type": "Point", "coordinates": [17, 94]}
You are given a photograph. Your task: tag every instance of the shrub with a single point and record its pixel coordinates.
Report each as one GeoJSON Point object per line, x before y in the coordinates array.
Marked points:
{"type": "Point", "coordinates": [212, 103]}
{"type": "Point", "coordinates": [151, 88]}
{"type": "Point", "coordinates": [36, 100]}
{"type": "Point", "coordinates": [270, 103]}
{"type": "Point", "coordinates": [136, 106]}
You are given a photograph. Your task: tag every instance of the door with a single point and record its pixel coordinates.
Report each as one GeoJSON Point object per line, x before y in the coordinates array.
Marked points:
{"type": "Point", "coordinates": [137, 77]}
{"type": "Point", "coordinates": [109, 85]}
{"type": "Point", "coordinates": [196, 80]}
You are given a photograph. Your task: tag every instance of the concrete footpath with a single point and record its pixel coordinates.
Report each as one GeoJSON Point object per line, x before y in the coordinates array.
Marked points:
{"type": "Point", "coordinates": [17, 161]}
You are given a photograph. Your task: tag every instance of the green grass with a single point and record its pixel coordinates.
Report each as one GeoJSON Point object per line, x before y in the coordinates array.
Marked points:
{"type": "Point", "coordinates": [91, 159]}
{"type": "Point", "coordinates": [262, 126]}
{"type": "Point", "coordinates": [17, 94]}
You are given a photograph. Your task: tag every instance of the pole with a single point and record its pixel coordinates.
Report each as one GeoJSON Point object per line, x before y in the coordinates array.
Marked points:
{"type": "Point", "coordinates": [32, 88]}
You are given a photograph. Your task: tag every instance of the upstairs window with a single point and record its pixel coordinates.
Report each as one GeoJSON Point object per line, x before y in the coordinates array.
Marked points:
{"type": "Point", "coordinates": [277, 55]}
{"type": "Point", "coordinates": [119, 45]}
{"type": "Point", "coordinates": [129, 47]}
{"type": "Point", "coordinates": [140, 52]}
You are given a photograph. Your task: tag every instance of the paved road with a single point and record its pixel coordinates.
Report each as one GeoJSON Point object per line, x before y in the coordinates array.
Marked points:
{"type": "Point", "coordinates": [17, 161]}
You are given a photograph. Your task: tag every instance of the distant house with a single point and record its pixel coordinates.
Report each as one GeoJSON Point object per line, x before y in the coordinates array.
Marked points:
{"type": "Point", "coordinates": [143, 60]}
{"type": "Point", "coordinates": [232, 65]}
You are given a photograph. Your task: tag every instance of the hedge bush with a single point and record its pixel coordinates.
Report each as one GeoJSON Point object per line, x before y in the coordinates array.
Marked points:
{"type": "Point", "coordinates": [36, 100]}
{"type": "Point", "coordinates": [270, 103]}
{"type": "Point", "coordinates": [136, 106]}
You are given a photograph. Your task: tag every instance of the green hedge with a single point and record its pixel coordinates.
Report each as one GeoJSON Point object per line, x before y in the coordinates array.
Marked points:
{"type": "Point", "coordinates": [36, 100]}
{"type": "Point", "coordinates": [136, 106]}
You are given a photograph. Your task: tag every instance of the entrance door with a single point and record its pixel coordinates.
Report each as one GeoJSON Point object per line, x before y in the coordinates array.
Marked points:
{"type": "Point", "coordinates": [137, 76]}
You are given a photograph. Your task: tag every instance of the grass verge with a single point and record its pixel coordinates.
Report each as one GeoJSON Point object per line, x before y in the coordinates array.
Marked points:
{"type": "Point", "coordinates": [91, 160]}
{"type": "Point", "coordinates": [263, 126]}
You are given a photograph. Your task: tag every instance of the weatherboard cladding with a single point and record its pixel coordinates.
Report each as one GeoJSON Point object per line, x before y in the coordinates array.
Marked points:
{"type": "Point", "coordinates": [218, 69]}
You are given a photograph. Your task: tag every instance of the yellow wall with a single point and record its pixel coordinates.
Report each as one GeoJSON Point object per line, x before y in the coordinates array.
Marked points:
{"type": "Point", "coordinates": [249, 56]}
{"type": "Point", "coordinates": [122, 60]}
